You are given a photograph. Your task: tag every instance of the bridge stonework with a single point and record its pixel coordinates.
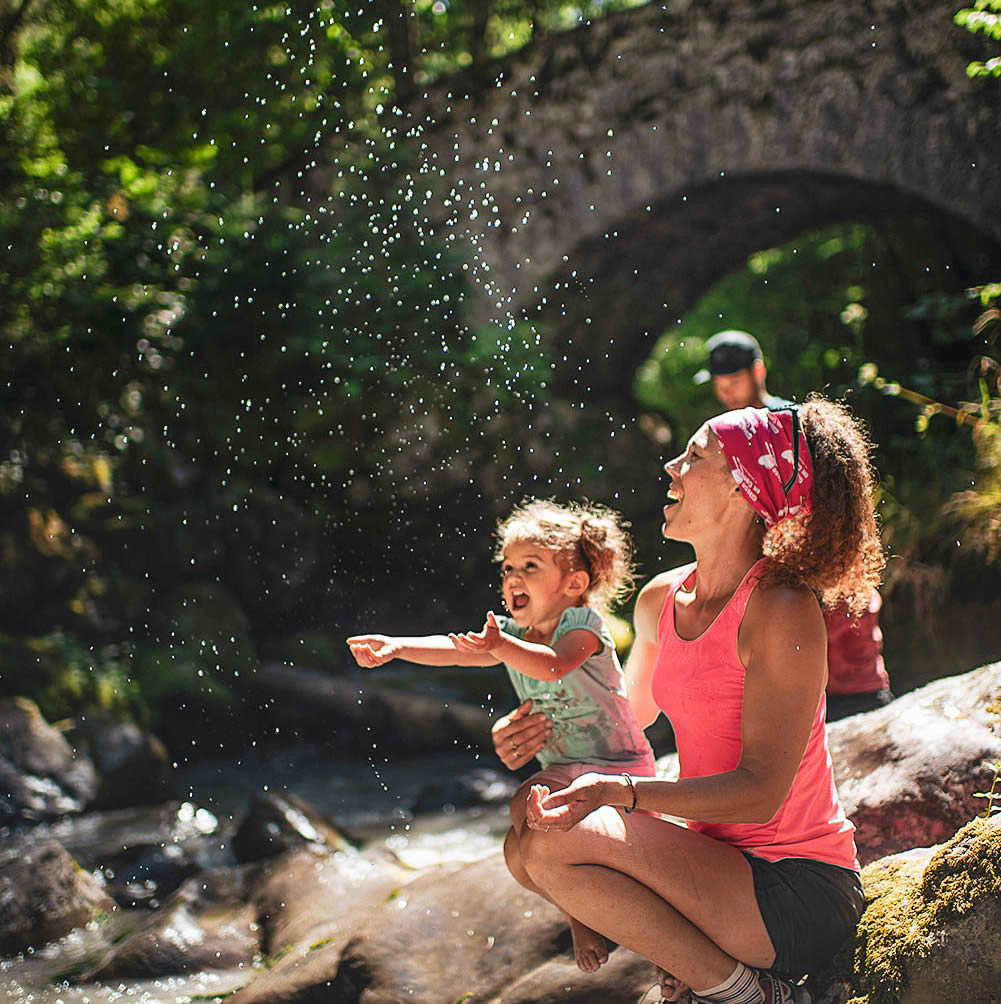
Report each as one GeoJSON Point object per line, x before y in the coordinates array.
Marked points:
{"type": "Point", "coordinates": [614, 172]}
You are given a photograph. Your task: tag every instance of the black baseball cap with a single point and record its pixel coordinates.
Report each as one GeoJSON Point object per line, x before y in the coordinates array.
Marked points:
{"type": "Point", "coordinates": [729, 352]}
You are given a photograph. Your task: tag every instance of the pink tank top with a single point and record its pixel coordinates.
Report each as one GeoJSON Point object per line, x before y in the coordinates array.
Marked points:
{"type": "Point", "coordinates": [699, 685]}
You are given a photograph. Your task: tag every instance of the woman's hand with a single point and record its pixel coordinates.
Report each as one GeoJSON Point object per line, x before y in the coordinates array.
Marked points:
{"type": "Point", "coordinates": [485, 640]}
{"type": "Point", "coordinates": [564, 809]}
{"type": "Point", "coordinates": [520, 735]}
{"type": "Point", "coordinates": [371, 650]}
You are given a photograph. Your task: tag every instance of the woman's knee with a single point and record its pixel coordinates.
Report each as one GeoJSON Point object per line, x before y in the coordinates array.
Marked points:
{"type": "Point", "coordinates": [518, 806]}
{"type": "Point", "coordinates": [540, 851]}
{"type": "Point", "coordinates": [512, 852]}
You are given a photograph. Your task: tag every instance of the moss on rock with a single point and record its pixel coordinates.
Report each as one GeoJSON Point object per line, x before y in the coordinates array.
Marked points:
{"type": "Point", "coordinates": [915, 899]}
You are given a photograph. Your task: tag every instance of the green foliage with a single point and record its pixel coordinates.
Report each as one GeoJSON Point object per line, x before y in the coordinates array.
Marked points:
{"type": "Point", "coordinates": [71, 678]}
{"type": "Point", "coordinates": [822, 306]}
{"type": "Point", "coordinates": [983, 17]}
{"type": "Point", "coordinates": [448, 29]}
{"type": "Point", "coordinates": [220, 370]}
{"type": "Point", "coordinates": [979, 507]}
{"type": "Point", "coordinates": [665, 381]}
{"type": "Point", "coordinates": [993, 793]}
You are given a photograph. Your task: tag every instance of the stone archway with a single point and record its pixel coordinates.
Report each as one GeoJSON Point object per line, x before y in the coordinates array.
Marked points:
{"type": "Point", "coordinates": [616, 171]}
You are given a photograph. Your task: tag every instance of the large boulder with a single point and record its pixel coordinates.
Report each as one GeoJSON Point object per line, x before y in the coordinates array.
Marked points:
{"type": "Point", "coordinates": [44, 894]}
{"type": "Point", "coordinates": [931, 931]}
{"type": "Point", "coordinates": [309, 904]}
{"type": "Point", "coordinates": [479, 786]}
{"type": "Point", "coordinates": [142, 853]}
{"type": "Point", "coordinates": [41, 776]}
{"type": "Point", "coordinates": [144, 874]}
{"type": "Point", "coordinates": [907, 773]}
{"type": "Point", "coordinates": [349, 928]}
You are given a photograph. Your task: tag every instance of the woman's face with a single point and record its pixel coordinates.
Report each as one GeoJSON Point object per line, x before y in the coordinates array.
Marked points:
{"type": "Point", "coordinates": [702, 491]}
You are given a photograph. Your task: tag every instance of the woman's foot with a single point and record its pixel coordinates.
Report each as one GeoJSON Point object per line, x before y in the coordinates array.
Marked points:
{"type": "Point", "coordinates": [589, 947]}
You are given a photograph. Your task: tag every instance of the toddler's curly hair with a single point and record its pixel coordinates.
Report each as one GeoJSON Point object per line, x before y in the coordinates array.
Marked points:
{"type": "Point", "coordinates": [586, 536]}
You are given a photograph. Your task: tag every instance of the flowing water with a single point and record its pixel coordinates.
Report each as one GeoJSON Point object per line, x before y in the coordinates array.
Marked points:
{"type": "Point", "coordinates": [371, 801]}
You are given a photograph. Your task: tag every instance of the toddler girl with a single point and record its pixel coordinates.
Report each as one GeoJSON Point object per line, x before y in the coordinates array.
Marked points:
{"type": "Point", "coordinates": [560, 565]}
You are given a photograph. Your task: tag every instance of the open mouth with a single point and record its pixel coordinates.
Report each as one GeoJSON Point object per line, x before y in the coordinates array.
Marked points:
{"type": "Point", "coordinates": [672, 498]}
{"type": "Point", "coordinates": [519, 601]}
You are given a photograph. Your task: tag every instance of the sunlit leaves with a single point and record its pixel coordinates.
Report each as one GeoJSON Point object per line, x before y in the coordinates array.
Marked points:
{"type": "Point", "coordinates": [983, 18]}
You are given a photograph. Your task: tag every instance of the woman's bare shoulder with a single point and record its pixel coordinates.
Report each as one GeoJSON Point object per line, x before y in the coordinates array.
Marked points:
{"type": "Point", "coordinates": [653, 596]}
{"type": "Point", "coordinates": [662, 582]}
{"type": "Point", "coordinates": [779, 598]}
{"type": "Point", "coordinates": [777, 611]}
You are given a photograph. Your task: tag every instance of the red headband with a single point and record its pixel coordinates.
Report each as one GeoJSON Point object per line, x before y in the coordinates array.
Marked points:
{"type": "Point", "coordinates": [769, 459]}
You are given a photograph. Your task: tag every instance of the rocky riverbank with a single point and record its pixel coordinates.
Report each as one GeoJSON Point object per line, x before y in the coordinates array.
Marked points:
{"type": "Point", "coordinates": [305, 911]}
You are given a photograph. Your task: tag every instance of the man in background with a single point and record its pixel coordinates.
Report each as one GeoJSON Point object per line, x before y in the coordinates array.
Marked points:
{"type": "Point", "coordinates": [737, 371]}
{"type": "Point", "coordinates": [856, 674]}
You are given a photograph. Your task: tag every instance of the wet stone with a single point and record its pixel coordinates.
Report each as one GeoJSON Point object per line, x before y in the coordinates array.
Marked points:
{"type": "Point", "coordinates": [143, 875]}
{"type": "Point", "coordinates": [133, 765]}
{"type": "Point", "coordinates": [44, 894]}
{"type": "Point", "coordinates": [276, 823]}
{"type": "Point", "coordinates": [41, 776]}
{"type": "Point", "coordinates": [482, 786]}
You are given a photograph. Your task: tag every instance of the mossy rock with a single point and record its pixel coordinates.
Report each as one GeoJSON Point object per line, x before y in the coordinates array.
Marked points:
{"type": "Point", "coordinates": [932, 928]}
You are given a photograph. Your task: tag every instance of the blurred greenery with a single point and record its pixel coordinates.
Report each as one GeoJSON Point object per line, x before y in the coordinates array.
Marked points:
{"type": "Point", "coordinates": [983, 17]}
{"type": "Point", "coordinates": [233, 361]}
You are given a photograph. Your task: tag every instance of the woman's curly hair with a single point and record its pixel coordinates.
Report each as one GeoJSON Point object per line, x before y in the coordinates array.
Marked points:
{"type": "Point", "coordinates": [586, 536]}
{"type": "Point", "coordinates": [836, 548]}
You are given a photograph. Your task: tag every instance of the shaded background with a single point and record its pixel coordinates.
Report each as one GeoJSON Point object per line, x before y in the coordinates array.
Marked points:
{"type": "Point", "coordinates": [266, 385]}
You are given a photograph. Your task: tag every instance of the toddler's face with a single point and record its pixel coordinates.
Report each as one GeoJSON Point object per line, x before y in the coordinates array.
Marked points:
{"type": "Point", "coordinates": [532, 582]}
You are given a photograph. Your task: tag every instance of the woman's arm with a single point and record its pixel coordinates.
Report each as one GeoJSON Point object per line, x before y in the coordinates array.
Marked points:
{"type": "Point", "coordinates": [371, 650]}
{"type": "Point", "coordinates": [783, 644]}
{"type": "Point", "coordinates": [642, 659]}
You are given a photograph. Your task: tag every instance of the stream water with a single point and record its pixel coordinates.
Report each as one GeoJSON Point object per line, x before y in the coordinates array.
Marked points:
{"type": "Point", "coordinates": [371, 800]}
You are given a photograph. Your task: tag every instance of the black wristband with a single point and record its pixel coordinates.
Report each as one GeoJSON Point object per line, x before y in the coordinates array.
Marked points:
{"type": "Point", "coordinates": [632, 788]}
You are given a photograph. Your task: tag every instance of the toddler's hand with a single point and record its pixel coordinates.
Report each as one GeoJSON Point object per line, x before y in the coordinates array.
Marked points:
{"type": "Point", "coordinates": [371, 650]}
{"type": "Point", "coordinates": [485, 640]}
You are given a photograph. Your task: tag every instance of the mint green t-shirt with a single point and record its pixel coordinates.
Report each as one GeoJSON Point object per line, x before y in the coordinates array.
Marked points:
{"type": "Point", "coordinates": [593, 722]}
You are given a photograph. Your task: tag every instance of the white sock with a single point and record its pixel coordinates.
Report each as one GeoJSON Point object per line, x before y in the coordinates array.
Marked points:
{"type": "Point", "coordinates": [740, 987]}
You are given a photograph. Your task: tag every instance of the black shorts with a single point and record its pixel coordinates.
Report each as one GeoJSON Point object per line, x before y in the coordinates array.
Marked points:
{"type": "Point", "coordinates": [810, 909]}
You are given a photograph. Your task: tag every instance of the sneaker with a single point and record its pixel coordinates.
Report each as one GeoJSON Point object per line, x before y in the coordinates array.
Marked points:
{"type": "Point", "coordinates": [777, 991]}
{"type": "Point", "coordinates": [773, 990]}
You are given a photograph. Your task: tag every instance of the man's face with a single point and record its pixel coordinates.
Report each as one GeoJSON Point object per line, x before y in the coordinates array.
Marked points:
{"type": "Point", "coordinates": [737, 390]}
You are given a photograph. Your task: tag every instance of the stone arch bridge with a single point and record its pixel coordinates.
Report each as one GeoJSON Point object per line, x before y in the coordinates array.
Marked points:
{"type": "Point", "coordinates": [611, 174]}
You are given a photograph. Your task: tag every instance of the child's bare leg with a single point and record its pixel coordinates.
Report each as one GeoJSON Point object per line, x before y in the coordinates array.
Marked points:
{"type": "Point", "coordinates": [589, 948]}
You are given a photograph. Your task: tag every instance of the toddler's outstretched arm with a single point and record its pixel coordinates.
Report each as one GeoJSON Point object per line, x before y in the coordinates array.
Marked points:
{"type": "Point", "coordinates": [371, 650]}
{"type": "Point", "coordinates": [541, 662]}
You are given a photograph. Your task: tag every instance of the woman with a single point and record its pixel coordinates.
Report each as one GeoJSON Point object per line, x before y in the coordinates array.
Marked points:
{"type": "Point", "coordinates": [762, 886]}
